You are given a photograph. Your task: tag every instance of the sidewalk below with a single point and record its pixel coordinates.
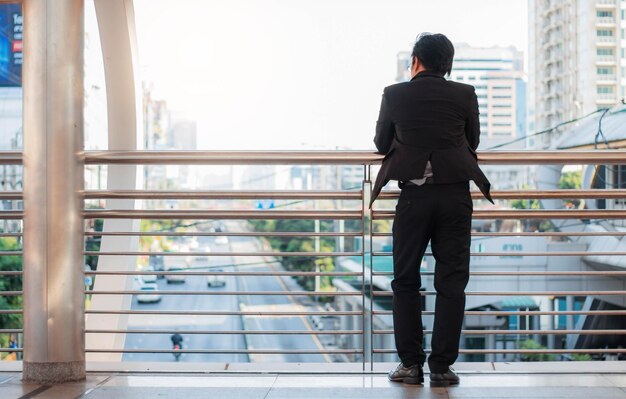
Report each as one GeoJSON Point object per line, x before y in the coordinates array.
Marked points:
{"type": "Point", "coordinates": [588, 380]}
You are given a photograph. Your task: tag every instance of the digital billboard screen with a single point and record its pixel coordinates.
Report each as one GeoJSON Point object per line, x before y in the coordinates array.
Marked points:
{"type": "Point", "coordinates": [11, 33]}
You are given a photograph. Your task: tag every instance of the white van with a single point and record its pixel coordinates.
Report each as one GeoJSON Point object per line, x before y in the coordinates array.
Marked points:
{"type": "Point", "coordinates": [175, 264]}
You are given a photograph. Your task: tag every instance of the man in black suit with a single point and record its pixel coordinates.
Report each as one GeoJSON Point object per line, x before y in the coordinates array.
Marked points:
{"type": "Point", "coordinates": [428, 129]}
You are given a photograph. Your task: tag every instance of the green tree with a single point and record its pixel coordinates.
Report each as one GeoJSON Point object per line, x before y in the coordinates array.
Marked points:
{"type": "Point", "coordinates": [535, 357]}
{"type": "Point", "coordinates": [10, 283]}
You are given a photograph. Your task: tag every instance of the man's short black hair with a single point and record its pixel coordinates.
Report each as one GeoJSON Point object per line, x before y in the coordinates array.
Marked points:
{"type": "Point", "coordinates": [435, 51]}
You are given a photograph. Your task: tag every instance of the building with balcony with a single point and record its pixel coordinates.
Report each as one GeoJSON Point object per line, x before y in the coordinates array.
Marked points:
{"type": "Point", "coordinates": [577, 59]}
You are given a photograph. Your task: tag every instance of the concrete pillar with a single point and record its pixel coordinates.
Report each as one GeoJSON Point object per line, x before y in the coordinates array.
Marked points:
{"type": "Point", "coordinates": [54, 339]}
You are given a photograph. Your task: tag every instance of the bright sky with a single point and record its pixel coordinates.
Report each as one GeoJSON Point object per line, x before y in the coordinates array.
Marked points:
{"type": "Point", "coordinates": [298, 74]}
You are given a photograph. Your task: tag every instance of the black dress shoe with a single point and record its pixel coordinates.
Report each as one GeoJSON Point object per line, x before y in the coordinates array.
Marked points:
{"type": "Point", "coordinates": [409, 375]}
{"type": "Point", "coordinates": [444, 379]}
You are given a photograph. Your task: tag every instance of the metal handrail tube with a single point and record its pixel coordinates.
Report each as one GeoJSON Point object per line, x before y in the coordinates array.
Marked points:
{"type": "Point", "coordinates": [11, 215]}
{"type": "Point", "coordinates": [11, 293]}
{"type": "Point", "coordinates": [537, 234]}
{"type": "Point", "coordinates": [227, 195]}
{"type": "Point", "coordinates": [11, 330]}
{"type": "Point", "coordinates": [227, 234]}
{"type": "Point", "coordinates": [339, 157]}
{"type": "Point", "coordinates": [219, 214]}
{"type": "Point", "coordinates": [6, 350]}
{"type": "Point", "coordinates": [231, 351]}
{"type": "Point", "coordinates": [516, 273]}
{"type": "Point", "coordinates": [11, 157]}
{"type": "Point", "coordinates": [523, 332]}
{"type": "Point", "coordinates": [209, 254]}
{"type": "Point", "coordinates": [523, 312]}
{"type": "Point", "coordinates": [199, 273]}
{"type": "Point", "coordinates": [530, 214]}
{"type": "Point", "coordinates": [535, 194]}
{"type": "Point", "coordinates": [11, 273]}
{"type": "Point", "coordinates": [228, 332]}
{"type": "Point", "coordinates": [327, 195]}
{"type": "Point", "coordinates": [224, 293]}
{"type": "Point", "coordinates": [522, 254]}
{"type": "Point", "coordinates": [11, 311]}
{"type": "Point", "coordinates": [527, 351]}
{"type": "Point", "coordinates": [517, 293]}
{"type": "Point", "coordinates": [321, 157]}
{"type": "Point", "coordinates": [225, 313]}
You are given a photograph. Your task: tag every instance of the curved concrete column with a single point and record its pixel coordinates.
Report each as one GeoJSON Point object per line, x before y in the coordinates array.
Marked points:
{"type": "Point", "coordinates": [116, 22]}
{"type": "Point", "coordinates": [54, 339]}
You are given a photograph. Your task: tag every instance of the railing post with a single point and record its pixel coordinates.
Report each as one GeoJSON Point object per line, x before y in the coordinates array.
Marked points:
{"type": "Point", "coordinates": [54, 339]}
{"type": "Point", "coordinates": [366, 190]}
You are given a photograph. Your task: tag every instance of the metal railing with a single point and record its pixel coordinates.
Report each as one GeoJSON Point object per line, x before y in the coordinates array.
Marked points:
{"type": "Point", "coordinates": [358, 301]}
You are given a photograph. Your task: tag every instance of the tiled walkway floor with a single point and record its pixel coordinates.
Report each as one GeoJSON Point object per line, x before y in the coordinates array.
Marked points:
{"type": "Point", "coordinates": [322, 386]}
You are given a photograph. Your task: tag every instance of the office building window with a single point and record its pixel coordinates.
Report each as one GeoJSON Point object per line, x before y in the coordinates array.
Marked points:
{"type": "Point", "coordinates": [605, 51]}
{"type": "Point", "coordinates": [604, 14]}
{"type": "Point", "coordinates": [605, 90]}
{"type": "Point", "coordinates": [605, 71]}
{"type": "Point", "coordinates": [604, 32]}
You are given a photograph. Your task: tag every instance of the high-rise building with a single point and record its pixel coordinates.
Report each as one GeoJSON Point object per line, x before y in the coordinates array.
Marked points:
{"type": "Point", "coordinates": [497, 73]}
{"type": "Point", "coordinates": [577, 59]}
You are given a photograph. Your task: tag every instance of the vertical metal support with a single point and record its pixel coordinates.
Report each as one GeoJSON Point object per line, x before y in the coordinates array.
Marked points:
{"type": "Point", "coordinates": [551, 324]}
{"type": "Point", "coordinates": [54, 337]}
{"type": "Point", "coordinates": [366, 195]}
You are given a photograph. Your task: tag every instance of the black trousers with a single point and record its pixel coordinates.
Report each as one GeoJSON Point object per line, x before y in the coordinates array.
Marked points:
{"type": "Point", "coordinates": [441, 214]}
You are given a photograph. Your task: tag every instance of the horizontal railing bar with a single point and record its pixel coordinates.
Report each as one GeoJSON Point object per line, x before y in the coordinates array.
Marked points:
{"type": "Point", "coordinates": [11, 293]}
{"type": "Point", "coordinates": [518, 254]}
{"type": "Point", "coordinates": [221, 214]}
{"type": "Point", "coordinates": [11, 195]}
{"type": "Point", "coordinates": [11, 331]}
{"type": "Point", "coordinates": [210, 254]}
{"type": "Point", "coordinates": [230, 332]}
{"type": "Point", "coordinates": [11, 311]}
{"type": "Point", "coordinates": [506, 273]}
{"type": "Point", "coordinates": [522, 312]}
{"type": "Point", "coordinates": [198, 273]}
{"type": "Point", "coordinates": [223, 194]}
{"type": "Point", "coordinates": [522, 332]}
{"type": "Point", "coordinates": [535, 234]}
{"type": "Point", "coordinates": [11, 234]}
{"type": "Point", "coordinates": [227, 234]}
{"type": "Point", "coordinates": [513, 351]}
{"type": "Point", "coordinates": [11, 157]}
{"type": "Point", "coordinates": [536, 194]}
{"type": "Point", "coordinates": [11, 215]}
{"type": "Point", "coordinates": [225, 313]}
{"type": "Point", "coordinates": [221, 293]}
{"type": "Point", "coordinates": [603, 157]}
{"type": "Point", "coordinates": [529, 214]}
{"type": "Point", "coordinates": [518, 293]}
{"type": "Point", "coordinates": [8, 350]}
{"type": "Point", "coordinates": [231, 157]}
{"type": "Point", "coordinates": [11, 273]}
{"type": "Point", "coordinates": [230, 351]}
{"type": "Point", "coordinates": [320, 195]}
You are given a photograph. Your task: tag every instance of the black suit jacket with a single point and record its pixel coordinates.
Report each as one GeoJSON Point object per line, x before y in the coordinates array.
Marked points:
{"type": "Point", "coordinates": [429, 118]}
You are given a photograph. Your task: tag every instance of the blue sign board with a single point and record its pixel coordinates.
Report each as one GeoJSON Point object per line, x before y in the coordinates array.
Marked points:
{"type": "Point", "coordinates": [11, 35]}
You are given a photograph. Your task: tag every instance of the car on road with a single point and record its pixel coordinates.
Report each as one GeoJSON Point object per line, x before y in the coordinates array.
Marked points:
{"type": "Point", "coordinates": [175, 278]}
{"type": "Point", "coordinates": [149, 278]}
{"type": "Point", "coordinates": [215, 280]}
{"type": "Point", "coordinates": [149, 294]}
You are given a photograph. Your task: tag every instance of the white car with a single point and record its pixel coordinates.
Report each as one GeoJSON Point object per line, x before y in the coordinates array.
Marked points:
{"type": "Point", "coordinates": [216, 281]}
{"type": "Point", "coordinates": [149, 278]}
{"type": "Point", "coordinates": [149, 294]}
{"type": "Point", "coordinates": [175, 278]}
